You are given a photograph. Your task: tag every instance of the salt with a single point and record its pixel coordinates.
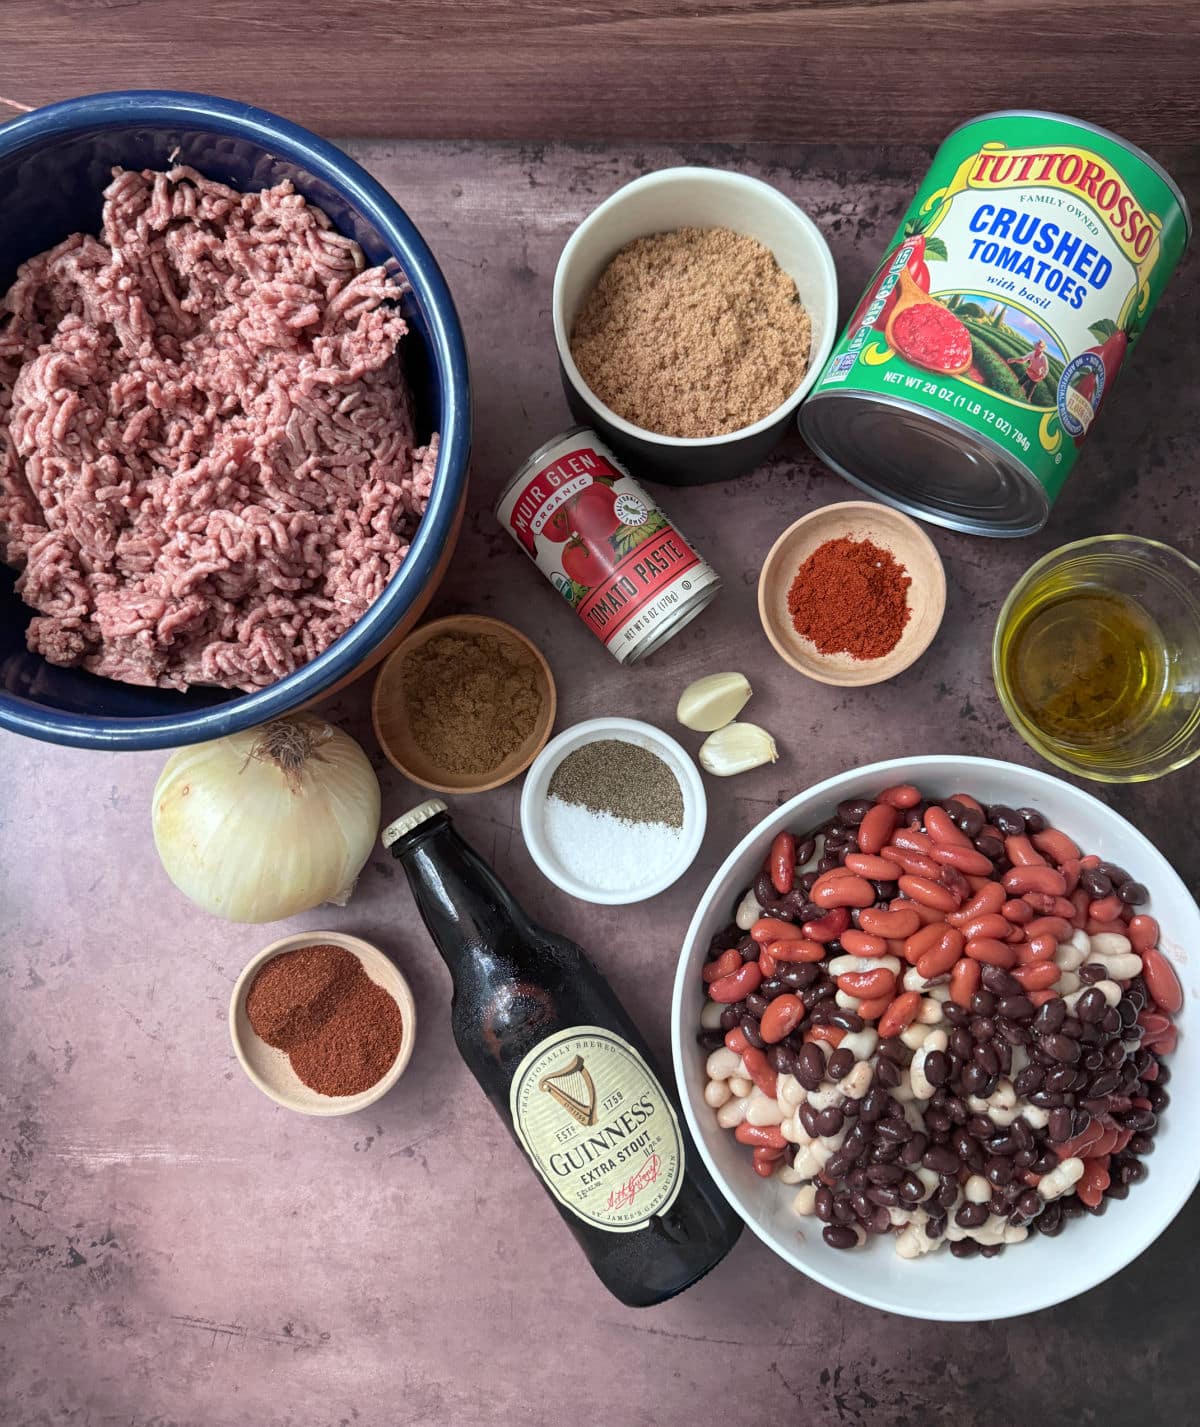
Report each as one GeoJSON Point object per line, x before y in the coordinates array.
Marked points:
{"type": "Point", "coordinates": [608, 853]}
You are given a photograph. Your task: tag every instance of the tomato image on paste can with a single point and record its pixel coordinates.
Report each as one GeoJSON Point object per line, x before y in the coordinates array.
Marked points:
{"type": "Point", "coordinates": [989, 339]}
{"type": "Point", "coordinates": [605, 545]}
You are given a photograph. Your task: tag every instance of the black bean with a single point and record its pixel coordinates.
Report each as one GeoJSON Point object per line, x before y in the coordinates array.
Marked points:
{"type": "Point", "coordinates": [1046, 1099]}
{"type": "Point", "coordinates": [1159, 1099]}
{"type": "Point", "coordinates": [954, 1014]}
{"type": "Point", "coordinates": [839, 1236]}
{"type": "Point", "coordinates": [804, 850]}
{"type": "Point", "coordinates": [940, 1159]}
{"type": "Point", "coordinates": [983, 1003]}
{"type": "Point", "coordinates": [1133, 894]}
{"type": "Point", "coordinates": [912, 1150]}
{"type": "Point", "coordinates": [872, 1106]}
{"type": "Point", "coordinates": [749, 1028]}
{"type": "Point", "coordinates": [970, 1216]}
{"type": "Point", "coordinates": [756, 1004]}
{"type": "Point", "coordinates": [999, 1171]}
{"type": "Point", "coordinates": [884, 1174]}
{"type": "Point", "coordinates": [1110, 1023]}
{"type": "Point", "coordinates": [1060, 1047]}
{"type": "Point", "coordinates": [1028, 1079]}
{"type": "Point", "coordinates": [1050, 1016]}
{"type": "Point", "coordinates": [887, 1073]}
{"type": "Point", "coordinates": [957, 1110]}
{"type": "Point", "coordinates": [894, 1131]}
{"type": "Point", "coordinates": [830, 1121]}
{"type": "Point", "coordinates": [894, 1049]}
{"type": "Point", "coordinates": [730, 1017]}
{"type": "Point", "coordinates": [846, 1021]}
{"type": "Point", "coordinates": [946, 1194]}
{"type": "Point", "coordinates": [1006, 820]}
{"type": "Point", "coordinates": [771, 988]}
{"type": "Point", "coordinates": [1091, 1006]}
{"type": "Point", "coordinates": [810, 1066]}
{"type": "Point", "coordinates": [1050, 1221]}
{"type": "Point", "coordinates": [1117, 1191]}
{"type": "Point", "coordinates": [1005, 1145]}
{"type": "Point", "coordinates": [1017, 1007]}
{"type": "Point", "coordinates": [1141, 1144]}
{"type": "Point", "coordinates": [911, 1190]}
{"type": "Point", "coordinates": [1024, 1159]}
{"type": "Point", "coordinates": [1140, 1121]}
{"type": "Point", "coordinates": [974, 1079]}
{"type": "Point", "coordinates": [709, 1040]}
{"type": "Point", "coordinates": [999, 982]}
{"type": "Point", "coordinates": [780, 1058]}
{"type": "Point", "coordinates": [961, 1042]}
{"type": "Point", "coordinates": [839, 1164]}
{"type": "Point", "coordinates": [990, 845]}
{"type": "Point", "coordinates": [1034, 821]}
{"type": "Point", "coordinates": [1095, 883]}
{"type": "Point", "coordinates": [886, 1194]}
{"type": "Point", "coordinates": [1164, 1071]}
{"type": "Point", "coordinates": [986, 1058]}
{"type": "Point", "coordinates": [983, 1028]}
{"type": "Point", "coordinates": [1058, 1126]}
{"type": "Point", "coordinates": [1116, 875]}
{"type": "Point", "coordinates": [965, 1248]}
{"type": "Point", "coordinates": [937, 1067]}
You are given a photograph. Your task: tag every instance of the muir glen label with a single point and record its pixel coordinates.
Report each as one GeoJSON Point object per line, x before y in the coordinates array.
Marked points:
{"type": "Point", "coordinates": [594, 1120]}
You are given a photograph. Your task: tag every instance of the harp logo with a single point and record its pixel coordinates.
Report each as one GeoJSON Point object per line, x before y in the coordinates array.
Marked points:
{"type": "Point", "coordinates": [598, 1128]}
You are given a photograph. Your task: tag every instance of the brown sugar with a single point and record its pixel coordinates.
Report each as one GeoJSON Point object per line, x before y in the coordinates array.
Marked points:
{"type": "Point", "coordinates": [695, 332]}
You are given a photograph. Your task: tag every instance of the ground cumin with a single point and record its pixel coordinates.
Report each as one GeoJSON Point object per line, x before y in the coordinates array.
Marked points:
{"type": "Point", "coordinates": [471, 701]}
{"type": "Point", "coordinates": [341, 1030]}
{"type": "Point", "coordinates": [695, 332]}
{"type": "Point", "coordinates": [850, 597]}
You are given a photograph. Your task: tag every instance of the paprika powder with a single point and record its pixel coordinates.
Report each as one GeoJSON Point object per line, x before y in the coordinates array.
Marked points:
{"type": "Point", "coordinates": [341, 1030]}
{"type": "Point", "coordinates": [850, 597]}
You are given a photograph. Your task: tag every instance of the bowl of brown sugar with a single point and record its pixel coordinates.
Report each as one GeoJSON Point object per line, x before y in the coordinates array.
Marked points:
{"type": "Point", "coordinates": [322, 1022]}
{"type": "Point", "coordinates": [693, 310]}
{"type": "Point", "coordinates": [464, 704]}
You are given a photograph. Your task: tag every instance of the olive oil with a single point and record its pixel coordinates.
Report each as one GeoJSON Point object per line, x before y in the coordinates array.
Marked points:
{"type": "Point", "coordinates": [1087, 668]}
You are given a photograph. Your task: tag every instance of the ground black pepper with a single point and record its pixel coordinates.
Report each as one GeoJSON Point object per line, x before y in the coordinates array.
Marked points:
{"type": "Point", "coordinates": [624, 779]}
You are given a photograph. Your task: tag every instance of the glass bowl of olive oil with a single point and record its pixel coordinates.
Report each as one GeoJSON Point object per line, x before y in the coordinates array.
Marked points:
{"type": "Point", "coordinates": [1096, 658]}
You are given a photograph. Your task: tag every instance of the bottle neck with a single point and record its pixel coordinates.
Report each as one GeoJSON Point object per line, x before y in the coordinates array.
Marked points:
{"type": "Point", "coordinates": [466, 908]}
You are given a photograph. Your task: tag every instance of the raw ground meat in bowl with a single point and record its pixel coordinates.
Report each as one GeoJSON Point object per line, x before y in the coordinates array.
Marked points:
{"type": "Point", "coordinates": [284, 582]}
{"type": "Point", "coordinates": [1040, 1271]}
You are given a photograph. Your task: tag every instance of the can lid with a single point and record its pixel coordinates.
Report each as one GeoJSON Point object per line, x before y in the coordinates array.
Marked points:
{"type": "Point", "coordinates": [411, 819]}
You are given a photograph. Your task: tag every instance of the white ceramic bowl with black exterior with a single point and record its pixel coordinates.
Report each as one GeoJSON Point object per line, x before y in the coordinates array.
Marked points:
{"type": "Point", "coordinates": [1040, 1271]}
{"type": "Point", "coordinates": [693, 198]}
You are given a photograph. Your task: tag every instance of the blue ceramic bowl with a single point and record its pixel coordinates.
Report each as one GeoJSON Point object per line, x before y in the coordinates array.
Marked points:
{"type": "Point", "coordinates": [54, 164]}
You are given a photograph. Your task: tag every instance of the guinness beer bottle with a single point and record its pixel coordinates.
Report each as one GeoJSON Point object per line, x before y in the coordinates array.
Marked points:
{"type": "Point", "coordinates": [568, 1072]}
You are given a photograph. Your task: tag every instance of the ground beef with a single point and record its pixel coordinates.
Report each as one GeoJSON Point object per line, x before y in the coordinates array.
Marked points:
{"type": "Point", "coordinates": [208, 468]}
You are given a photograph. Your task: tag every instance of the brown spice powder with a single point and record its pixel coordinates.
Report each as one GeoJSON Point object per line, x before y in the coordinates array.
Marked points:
{"type": "Point", "coordinates": [471, 701]}
{"type": "Point", "coordinates": [693, 333]}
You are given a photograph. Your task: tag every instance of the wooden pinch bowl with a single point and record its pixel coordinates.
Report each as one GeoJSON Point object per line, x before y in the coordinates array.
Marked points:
{"type": "Point", "coordinates": [393, 729]}
{"type": "Point", "coordinates": [856, 520]}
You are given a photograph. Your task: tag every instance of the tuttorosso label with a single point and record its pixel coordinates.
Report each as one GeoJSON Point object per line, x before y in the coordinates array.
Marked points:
{"type": "Point", "coordinates": [594, 1120]}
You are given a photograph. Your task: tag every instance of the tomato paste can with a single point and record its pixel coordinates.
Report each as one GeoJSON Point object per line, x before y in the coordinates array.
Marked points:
{"type": "Point", "coordinates": [617, 559]}
{"type": "Point", "coordinates": [991, 334]}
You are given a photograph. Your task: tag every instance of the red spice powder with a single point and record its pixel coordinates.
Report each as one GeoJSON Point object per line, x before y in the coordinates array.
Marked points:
{"type": "Point", "coordinates": [850, 597]}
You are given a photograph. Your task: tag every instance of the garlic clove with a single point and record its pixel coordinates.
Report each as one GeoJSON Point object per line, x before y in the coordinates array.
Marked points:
{"type": "Point", "coordinates": [710, 703]}
{"type": "Point", "coordinates": [737, 748]}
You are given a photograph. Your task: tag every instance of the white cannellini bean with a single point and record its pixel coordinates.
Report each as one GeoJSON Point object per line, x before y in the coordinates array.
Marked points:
{"type": "Point", "coordinates": [805, 1201]}
{"type": "Point", "coordinates": [1067, 983]}
{"type": "Point", "coordinates": [790, 1091]}
{"type": "Point", "coordinates": [788, 1174]}
{"type": "Point", "coordinates": [810, 1159]}
{"type": "Point", "coordinates": [921, 1087]}
{"type": "Point", "coordinates": [1063, 1178]}
{"type": "Point", "coordinates": [858, 1082]}
{"type": "Point", "coordinates": [748, 911]}
{"type": "Point", "coordinates": [1080, 940]}
{"type": "Point", "coordinates": [762, 1110]}
{"type": "Point", "coordinates": [716, 1092]}
{"type": "Point", "coordinates": [912, 1242]}
{"type": "Point", "coordinates": [841, 964]}
{"type": "Point", "coordinates": [1016, 1234]}
{"type": "Point", "coordinates": [845, 1000]}
{"type": "Point", "coordinates": [834, 1142]}
{"type": "Point", "coordinates": [903, 1093]}
{"type": "Point", "coordinates": [930, 1010]}
{"type": "Point", "coordinates": [860, 1044]}
{"type": "Point", "coordinates": [1002, 1118]}
{"type": "Point", "coordinates": [914, 1036]}
{"type": "Point", "coordinates": [723, 1063]}
{"type": "Point", "coordinates": [928, 1177]}
{"type": "Point", "coordinates": [794, 1132]}
{"type": "Point", "coordinates": [914, 981]}
{"type": "Point", "coordinates": [900, 1217]}
{"type": "Point", "coordinates": [1069, 957]}
{"type": "Point", "coordinates": [710, 1015]}
{"type": "Point", "coordinates": [1108, 989]}
{"type": "Point", "coordinates": [977, 1190]}
{"type": "Point", "coordinates": [741, 1085]}
{"type": "Point", "coordinates": [1121, 966]}
{"type": "Point", "coordinates": [1004, 1096]}
{"type": "Point", "coordinates": [1020, 1059]}
{"type": "Point", "coordinates": [826, 1096]}
{"type": "Point", "coordinates": [1110, 944]}
{"type": "Point", "coordinates": [977, 1106]}
{"type": "Point", "coordinates": [732, 1113]}
{"type": "Point", "coordinates": [1035, 1117]}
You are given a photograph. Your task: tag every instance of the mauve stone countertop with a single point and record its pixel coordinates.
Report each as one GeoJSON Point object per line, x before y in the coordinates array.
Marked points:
{"type": "Point", "coordinates": [176, 1251]}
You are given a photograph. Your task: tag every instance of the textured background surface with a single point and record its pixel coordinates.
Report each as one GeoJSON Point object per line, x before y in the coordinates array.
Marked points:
{"type": "Point", "coordinates": [175, 1251]}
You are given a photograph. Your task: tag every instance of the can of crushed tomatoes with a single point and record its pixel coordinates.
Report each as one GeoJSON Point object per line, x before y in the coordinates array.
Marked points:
{"type": "Point", "coordinates": [993, 330]}
{"type": "Point", "coordinates": [605, 545]}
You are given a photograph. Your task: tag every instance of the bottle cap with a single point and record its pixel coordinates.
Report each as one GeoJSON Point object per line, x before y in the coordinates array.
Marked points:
{"type": "Point", "coordinates": [413, 818]}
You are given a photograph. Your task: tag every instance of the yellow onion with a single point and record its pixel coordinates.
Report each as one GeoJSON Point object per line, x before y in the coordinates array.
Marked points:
{"type": "Point", "coordinates": [267, 823]}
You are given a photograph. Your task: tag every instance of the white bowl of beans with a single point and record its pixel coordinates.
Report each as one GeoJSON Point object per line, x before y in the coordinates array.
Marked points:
{"type": "Point", "coordinates": [923, 1021]}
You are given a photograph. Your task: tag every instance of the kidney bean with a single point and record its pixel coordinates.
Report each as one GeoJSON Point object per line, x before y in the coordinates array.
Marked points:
{"type": "Point", "coordinates": [769, 929]}
{"type": "Point", "coordinates": [856, 943]}
{"type": "Point", "coordinates": [899, 923]}
{"type": "Point", "coordinates": [868, 984]}
{"type": "Point", "coordinates": [765, 1161]}
{"type": "Point", "coordinates": [827, 928]}
{"type": "Point", "coordinates": [1038, 976]}
{"type": "Point", "coordinates": [995, 953]}
{"type": "Point", "coordinates": [1070, 872]}
{"type": "Point", "coordinates": [963, 859]}
{"type": "Point", "coordinates": [940, 827]}
{"type": "Point", "coordinates": [964, 982]}
{"type": "Point", "coordinates": [1142, 931]}
{"type": "Point", "coordinates": [1057, 846]}
{"type": "Point", "coordinates": [725, 964]}
{"type": "Point", "coordinates": [989, 899]}
{"type": "Point", "coordinates": [1022, 853]}
{"type": "Point", "coordinates": [873, 1006]}
{"type": "Point", "coordinates": [782, 862]}
{"type": "Point", "coordinates": [916, 864]}
{"type": "Point", "coordinates": [1057, 927]}
{"type": "Point", "coordinates": [923, 941]}
{"type": "Point", "coordinates": [899, 1014]}
{"type": "Point", "coordinates": [876, 828]}
{"type": "Point", "coordinates": [1017, 911]}
{"type": "Point", "coordinates": [943, 955]}
{"type": "Point", "coordinates": [738, 985]}
{"type": "Point", "coordinates": [929, 893]}
{"type": "Point", "coordinates": [847, 891]}
{"type": "Point", "coordinates": [781, 1017]}
{"type": "Point", "coordinates": [991, 924]}
{"type": "Point", "coordinates": [767, 1136]}
{"type": "Point", "coordinates": [1161, 980]}
{"type": "Point", "coordinates": [902, 795]}
{"type": "Point", "coordinates": [1046, 880]}
{"type": "Point", "coordinates": [874, 869]}
{"type": "Point", "coordinates": [1037, 949]}
{"type": "Point", "coordinates": [759, 1070]}
{"type": "Point", "coordinates": [1106, 909]}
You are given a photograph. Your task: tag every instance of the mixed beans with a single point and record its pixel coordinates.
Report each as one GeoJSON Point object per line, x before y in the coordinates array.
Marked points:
{"type": "Point", "coordinates": [940, 1019]}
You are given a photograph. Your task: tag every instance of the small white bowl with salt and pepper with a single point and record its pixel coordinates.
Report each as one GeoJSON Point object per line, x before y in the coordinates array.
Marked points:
{"type": "Point", "coordinates": [613, 811]}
